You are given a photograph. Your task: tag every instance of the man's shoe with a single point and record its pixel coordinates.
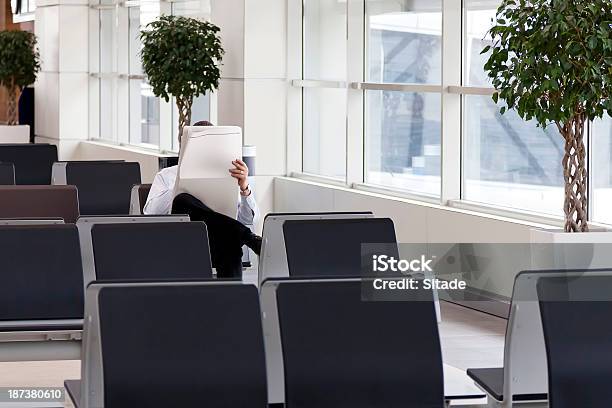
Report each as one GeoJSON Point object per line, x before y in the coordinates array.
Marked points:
{"type": "Point", "coordinates": [254, 242]}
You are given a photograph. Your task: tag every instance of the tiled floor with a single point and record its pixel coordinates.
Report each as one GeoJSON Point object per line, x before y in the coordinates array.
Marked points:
{"type": "Point", "coordinates": [38, 373]}
{"type": "Point", "coordinates": [469, 339]}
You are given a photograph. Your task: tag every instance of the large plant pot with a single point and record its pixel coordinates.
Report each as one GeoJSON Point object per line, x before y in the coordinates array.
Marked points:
{"type": "Point", "coordinates": [557, 235]}
{"type": "Point", "coordinates": [15, 134]}
{"type": "Point", "coordinates": [556, 249]}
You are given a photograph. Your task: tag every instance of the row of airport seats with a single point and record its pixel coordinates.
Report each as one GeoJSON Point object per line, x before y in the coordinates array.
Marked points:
{"type": "Point", "coordinates": [313, 241]}
{"type": "Point", "coordinates": [108, 249]}
{"type": "Point", "coordinates": [132, 248]}
{"type": "Point", "coordinates": [65, 201]}
{"type": "Point", "coordinates": [114, 248]}
{"type": "Point", "coordinates": [338, 351]}
{"type": "Point", "coordinates": [32, 163]}
{"type": "Point", "coordinates": [102, 187]}
{"type": "Point", "coordinates": [41, 295]}
{"type": "Point", "coordinates": [194, 344]}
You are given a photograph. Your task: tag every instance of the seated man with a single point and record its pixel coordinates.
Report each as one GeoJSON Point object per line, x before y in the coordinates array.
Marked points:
{"type": "Point", "coordinates": [226, 235]}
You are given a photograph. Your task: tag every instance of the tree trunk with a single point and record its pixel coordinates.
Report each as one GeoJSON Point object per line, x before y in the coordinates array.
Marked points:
{"type": "Point", "coordinates": [575, 204]}
{"type": "Point", "coordinates": [12, 113]}
{"type": "Point", "coordinates": [184, 110]}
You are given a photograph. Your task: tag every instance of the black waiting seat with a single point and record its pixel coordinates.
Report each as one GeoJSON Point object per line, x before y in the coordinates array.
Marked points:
{"type": "Point", "coordinates": [39, 202]}
{"type": "Point", "coordinates": [33, 162]}
{"type": "Point", "coordinates": [524, 345]}
{"type": "Point", "coordinates": [339, 351]}
{"type": "Point", "coordinates": [273, 257]}
{"type": "Point", "coordinates": [85, 224]}
{"type": "Point", "coordinates": [524, 352]}
{"type": "Point", "coordinates": [41, 284]}
{"type": "Point", "coordinates": [151, 251]}
{"type": "Point", "coordinates": [173, 345]}
{"type": "Point", "coordinates": [333, 247]}
{"type": "Point", "coordinates": [576, 311]}
{"type": "Point", "coordinates": [492, 381]}
{"type": "Point", "coordinates": [104, 186]}
{"type": "Point", "coordinates": [7, 174]}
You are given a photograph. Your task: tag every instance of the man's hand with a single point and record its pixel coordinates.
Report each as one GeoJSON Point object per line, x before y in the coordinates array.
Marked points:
{"type": "Point", "coordinates": [241, 173]}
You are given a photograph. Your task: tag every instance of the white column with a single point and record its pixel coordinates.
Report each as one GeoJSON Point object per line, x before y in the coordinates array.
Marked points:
{"type": "Point", "coordinates": [229, 16]}
{"type": "Point", "coordinates": [294, 94]}
{"type": "Point", "coordinates": [253, 88]}
{"type": "Point", "coordinates": [265, 80]}
{"type": "Point", "coordinates": [451, 102]}
{"type": "Point", "coordinates": [61, 100]}
{"type": "Point", "coordinates": [355, 97]}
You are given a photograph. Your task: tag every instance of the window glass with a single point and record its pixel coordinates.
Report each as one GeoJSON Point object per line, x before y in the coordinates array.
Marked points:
{"type": "Point", "coordinates": [192, 8]}
{"type": "Point", "coordinates": [324, 109]}
{"type": "Point", "coordinates": [200, 110]}
{"type": "Point", "coordinates": [403, 45]}
{"type": "Point", "coordinates": [144, 105]}
{"type": "Point", "coordinates": [107, 81]}
{"type": "Point", "coordinates": [602, 170]}
{"type": "Point", "coordinates": [324, 149]}
{"type": "Point", "coordinates": [404, 41]}
{"type": "Point", "coordinates": [325, 40]}
{"type": "Point", "coordinates": [508, 161]}
{"type": "Point", "coordinates": [403, 140]}
{"type": "Point", "coordinates": [479, 18]}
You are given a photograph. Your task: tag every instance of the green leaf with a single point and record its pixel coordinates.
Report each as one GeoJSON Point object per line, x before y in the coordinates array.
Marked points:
{"type": "Point", "coordinates": [552, 60]}
{"type": "Point", "coordinates": [19, 59]}
{"type": "Point", "coordinates": [181, 57]}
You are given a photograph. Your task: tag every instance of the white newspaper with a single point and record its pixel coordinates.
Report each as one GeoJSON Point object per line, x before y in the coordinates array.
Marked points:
{"type": "Point", "coordinates": [206, 156]}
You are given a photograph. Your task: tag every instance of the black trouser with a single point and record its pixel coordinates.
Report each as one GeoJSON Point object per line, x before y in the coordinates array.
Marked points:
{"type": "Point", "coordinates": [226, 236]}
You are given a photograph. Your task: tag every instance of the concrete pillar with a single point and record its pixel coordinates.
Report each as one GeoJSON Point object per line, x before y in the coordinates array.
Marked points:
{"type": "Point", "coordinates": [61, 101]}
{"type": "Point", "coordinates": [253, 89]}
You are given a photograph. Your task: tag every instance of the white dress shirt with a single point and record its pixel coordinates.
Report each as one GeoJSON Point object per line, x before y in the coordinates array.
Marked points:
{"type": "Point", "coordinates": [159, 201]}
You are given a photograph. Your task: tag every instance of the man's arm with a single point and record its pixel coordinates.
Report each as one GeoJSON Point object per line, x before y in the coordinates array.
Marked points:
{"type": "Point", "coordinates": [159, 200]}
{"type": "Point", "coordinates": [248, 210]}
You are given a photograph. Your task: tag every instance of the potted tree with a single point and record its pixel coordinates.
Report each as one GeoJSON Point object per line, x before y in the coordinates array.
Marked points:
{"type": "Point", "coordinates": [551, 60]}
{"type": "Point", "coordinates": [181, 58]}
{"type": "Point", "coordinates": [19, 64]}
